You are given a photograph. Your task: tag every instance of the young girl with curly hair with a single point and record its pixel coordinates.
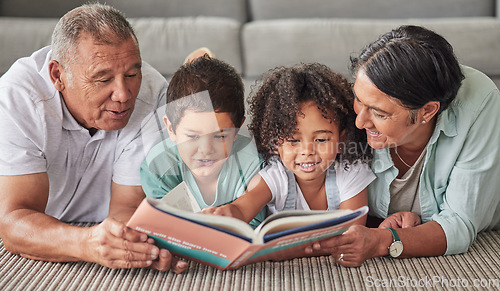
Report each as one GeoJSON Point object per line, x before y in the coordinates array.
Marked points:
{"type": "Point", "coordinates": [315, 157]}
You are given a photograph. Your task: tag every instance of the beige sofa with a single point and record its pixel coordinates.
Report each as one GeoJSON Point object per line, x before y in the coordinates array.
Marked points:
{"type": "Point", "coordinates": [255, 35]}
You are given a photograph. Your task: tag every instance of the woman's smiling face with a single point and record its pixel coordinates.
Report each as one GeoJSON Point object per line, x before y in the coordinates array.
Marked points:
{"type": "Point", "coordinates": [386, 121]}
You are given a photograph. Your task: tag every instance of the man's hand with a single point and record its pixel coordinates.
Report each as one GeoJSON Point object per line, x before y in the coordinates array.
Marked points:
{"type": "Point", "coordinates": [124, 201]}
{"type": "Point", "coordinates": [167, 261]}
{"type": "Point", "coordinates": [403, 219]}
{"type": "Point", "coordinates": [198, 53]}
{"type": "Point", "coordinates": [114, 245]}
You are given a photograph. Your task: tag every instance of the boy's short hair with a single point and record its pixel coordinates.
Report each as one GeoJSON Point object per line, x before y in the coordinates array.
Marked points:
{"type": "Point", "coordinates": [223, 83]}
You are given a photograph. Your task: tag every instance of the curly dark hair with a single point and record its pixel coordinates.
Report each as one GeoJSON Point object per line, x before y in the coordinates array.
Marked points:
{"type": "Point", "coordinates": [280, 92]}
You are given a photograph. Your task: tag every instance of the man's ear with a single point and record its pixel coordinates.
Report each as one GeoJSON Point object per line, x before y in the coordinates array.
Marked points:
{"type": "Point", "coordinates": [429, 110]}
{"type": "Point", "coordinates": [170, 128]}
{"type": "Point", "coordinates": [56, 72]}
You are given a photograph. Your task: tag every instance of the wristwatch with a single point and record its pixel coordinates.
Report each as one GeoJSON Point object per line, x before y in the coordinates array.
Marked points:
{"type": "Point", "coordinates": [396, 248]}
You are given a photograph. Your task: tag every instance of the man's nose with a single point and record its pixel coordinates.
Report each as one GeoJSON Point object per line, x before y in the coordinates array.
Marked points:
{"type": "Point", "coordinates": [121, 92]}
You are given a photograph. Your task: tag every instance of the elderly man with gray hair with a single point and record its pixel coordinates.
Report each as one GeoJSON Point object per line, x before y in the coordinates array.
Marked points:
{"type": "Point", "coordinates": [70, 117]}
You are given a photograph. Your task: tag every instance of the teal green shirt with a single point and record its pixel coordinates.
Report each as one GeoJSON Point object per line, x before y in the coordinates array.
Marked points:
{"type": "Point", "coordinates": [460, 179]}
{"type": "Point", "coordinates": [163, 169]}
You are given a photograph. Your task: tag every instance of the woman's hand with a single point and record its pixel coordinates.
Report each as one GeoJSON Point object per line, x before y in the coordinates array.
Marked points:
{"type": "Point", "coordinates": [403, 219]}
{"type": "Point", "coordinates": [354, 246]}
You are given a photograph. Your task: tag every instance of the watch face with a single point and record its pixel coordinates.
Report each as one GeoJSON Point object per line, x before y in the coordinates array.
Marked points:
{"type": "Point", "coordinates": [396, 249]}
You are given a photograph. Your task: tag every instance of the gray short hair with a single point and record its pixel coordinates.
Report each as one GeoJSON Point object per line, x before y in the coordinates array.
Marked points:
{"type": "Point", "coordinates": [103, 23]}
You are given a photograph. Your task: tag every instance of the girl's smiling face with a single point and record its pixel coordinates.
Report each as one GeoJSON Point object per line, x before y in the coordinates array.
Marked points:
{"type": "Point", "coordinates": [313, 147]}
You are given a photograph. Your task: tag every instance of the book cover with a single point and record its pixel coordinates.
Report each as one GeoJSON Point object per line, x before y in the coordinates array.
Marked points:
{"type": "Point", "coordinates": [228, 243]}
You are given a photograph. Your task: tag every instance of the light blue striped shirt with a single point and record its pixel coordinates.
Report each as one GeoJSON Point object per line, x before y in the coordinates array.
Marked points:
{"type": "Point", "coordinates": [460, 180]}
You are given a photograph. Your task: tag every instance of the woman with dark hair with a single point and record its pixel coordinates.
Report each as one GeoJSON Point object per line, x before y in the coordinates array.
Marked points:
{"type": "Point", "coordinates": [435, 128]}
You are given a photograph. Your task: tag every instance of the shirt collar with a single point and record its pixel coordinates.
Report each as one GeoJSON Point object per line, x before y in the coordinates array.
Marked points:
{"type": "Point", "coordinates": [381, 160]}
{"type": "Point", "coordinates": [68, 122]}
{"type": "Point", "coordinates": [446, 123]}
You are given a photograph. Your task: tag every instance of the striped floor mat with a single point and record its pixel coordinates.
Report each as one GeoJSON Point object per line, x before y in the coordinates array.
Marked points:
{"type": "Point", "coordinates": [477, 269]}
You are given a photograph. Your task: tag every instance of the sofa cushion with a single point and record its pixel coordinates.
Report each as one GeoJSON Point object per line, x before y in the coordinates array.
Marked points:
{"type": "Point", "coordinates": [234, 9]}
{"type": "Point", "coordinates": [20, 37]}
{"type": "Point", "coordinates": [271, 43]}
{"type": "Point", "coordinates": [498, 8]}
{"type": "Point", "coordinates": [165, 42]}
{"type": "Point", "coordinates": [275, 9]}
{"type": "Point", "coordinates": [38, 9]}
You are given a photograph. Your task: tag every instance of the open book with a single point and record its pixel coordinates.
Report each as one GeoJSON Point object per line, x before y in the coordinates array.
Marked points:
{"type": "Point", "coordinates": [228, 243]}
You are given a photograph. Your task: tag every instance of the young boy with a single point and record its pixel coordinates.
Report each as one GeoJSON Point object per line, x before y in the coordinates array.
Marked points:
{"type": "Point", "coordinates": [204, 111]}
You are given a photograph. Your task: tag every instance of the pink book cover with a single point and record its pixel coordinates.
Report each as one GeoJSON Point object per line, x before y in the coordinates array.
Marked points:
{"type": "Point", "coordinates": [197, 240]}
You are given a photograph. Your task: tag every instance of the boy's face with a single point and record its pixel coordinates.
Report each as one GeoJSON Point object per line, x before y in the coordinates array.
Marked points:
{"type": "Point", "coordinates": [204, 141]}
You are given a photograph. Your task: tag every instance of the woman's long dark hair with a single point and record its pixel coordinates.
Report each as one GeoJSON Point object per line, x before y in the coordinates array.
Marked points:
{"type": "Point", "coordinates": [412, 64]}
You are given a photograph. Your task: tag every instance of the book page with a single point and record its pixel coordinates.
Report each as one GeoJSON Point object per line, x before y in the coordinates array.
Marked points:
{"type": "Point", "coordinates": [181, 198]}
{"type": "Point", "coordinates": [319, 219]}
{"type": "Point", "coordinates": [230, 224]}
{"type": "Point", "coordinates": [299, 213]}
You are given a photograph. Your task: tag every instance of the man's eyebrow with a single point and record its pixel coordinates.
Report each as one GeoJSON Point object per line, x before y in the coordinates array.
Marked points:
{"type": "Point", "coordinates": [100, 74]}
{"type": "Point", "coordinates": [370, 107]}
{"type": "Point", "coordinates": [104, 72]}
{"type": "Point", "coordinates": [137, 66]}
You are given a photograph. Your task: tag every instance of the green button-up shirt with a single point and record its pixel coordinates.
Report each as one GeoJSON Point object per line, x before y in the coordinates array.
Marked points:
{"type": "Point", "coordinates": [460, 179]}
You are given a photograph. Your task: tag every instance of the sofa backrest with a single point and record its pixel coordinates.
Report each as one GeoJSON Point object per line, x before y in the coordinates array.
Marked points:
{"type": "Point", "coordinates": [256, 35]}
{"type": "Point", "coordinates": [373, 9]}
{"type": "Point", "coordinates": [270, 43]}
{"type": "Point", "coordinates": [20, 37]}
{"type": "Point", "coordinates": [234, 9]}
{"type": "Point", "coordinates": [165, 42]}
{"type": "Point", "coordinates": [167, 29]}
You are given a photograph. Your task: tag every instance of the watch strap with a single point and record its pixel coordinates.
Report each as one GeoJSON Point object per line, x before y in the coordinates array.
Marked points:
{"type": "Point", "coordinates": [394, 234]}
